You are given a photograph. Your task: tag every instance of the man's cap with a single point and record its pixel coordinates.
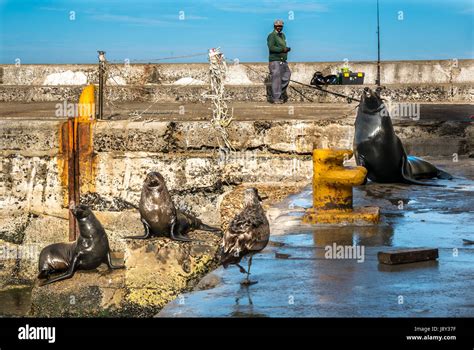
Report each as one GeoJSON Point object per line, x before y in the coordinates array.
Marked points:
{"type": "Point", "coordinates": [278, 22]}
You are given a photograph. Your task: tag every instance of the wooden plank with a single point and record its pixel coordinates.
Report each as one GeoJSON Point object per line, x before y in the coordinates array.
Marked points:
{"type": "Point", "coordinates": [406, 256]}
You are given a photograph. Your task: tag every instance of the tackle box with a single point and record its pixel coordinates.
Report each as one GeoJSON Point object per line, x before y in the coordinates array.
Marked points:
{"type": "Point", "coordinates": [351, 78]}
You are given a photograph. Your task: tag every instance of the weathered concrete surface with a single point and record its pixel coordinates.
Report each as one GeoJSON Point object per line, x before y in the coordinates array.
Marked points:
{"type": "Point", "coordinates": [16, 300]}
{"type": "Point", "coordinates": [242, 111]}
{"type": "Point", "coordinates": [187, 153]}
{"type": "Point", "coordinates": [414, 92]}
{"type": "Point", "coordinates": [416, 81]}
{"type": "Point", "coordinates": [156, 272]}
{"type": "Point", "coordinates": [157, 269]}
{"type": "Point", "coordinates": [392, 72]}
{"type": "Point", "coordinates": [297, 279]}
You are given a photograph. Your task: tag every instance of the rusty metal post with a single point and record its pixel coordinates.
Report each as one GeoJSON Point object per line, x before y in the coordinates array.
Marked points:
{"type": "Point", "coordinates": [77, 147]}
{"type": "Point", "coordinates": [101, 83]}
{"type": "Point", "coordinates": [73, 175]}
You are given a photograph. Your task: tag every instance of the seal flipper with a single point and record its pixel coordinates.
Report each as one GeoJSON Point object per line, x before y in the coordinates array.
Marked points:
{"type": "Point", "coordinates": [110, 265]}
{"type": "Point", "coordinates": [188, 222]}
{"type": "Point", "coordinates": [360, 162]}
{"type": "Point", "coordinates": [204, 227]}
{"type": "Point", "coordinates": [406, 176]}
{"type": "Point", "coordinates": [421, 168]}
{"type": "Point", "coordinates": [178, 237]}
{"type": "Point", "coordinates": [444, 175]}
{"type": "Point", "coordinates": [145, 235]}
{"type": "Point", "coordinates": [43, 274]}
{"type": "Point", "coordinates": [68, 274]}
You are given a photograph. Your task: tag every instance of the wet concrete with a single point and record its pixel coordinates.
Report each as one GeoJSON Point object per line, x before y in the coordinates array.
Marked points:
{"type": "Point", "coordinates": [296, 279]}
{"type": "Point", "coordinates": [15, 301]}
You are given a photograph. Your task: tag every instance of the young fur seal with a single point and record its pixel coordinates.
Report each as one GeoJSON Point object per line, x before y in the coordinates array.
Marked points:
{"type": "Point", "coordinates": [89, 250]}
{"type": "Point", "coordinates": [159, 215]}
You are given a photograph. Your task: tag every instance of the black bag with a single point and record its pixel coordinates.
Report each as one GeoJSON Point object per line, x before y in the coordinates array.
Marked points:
{"type": "Point", "coordinates": [331, 79]}
{"type": "Point", "coordinates": [319, 79]}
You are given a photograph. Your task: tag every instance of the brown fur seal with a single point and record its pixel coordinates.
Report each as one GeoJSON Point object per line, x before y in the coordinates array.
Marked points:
{"type": "Point", "coordinates": [159, 215]}
{"type": "Point", "coordinates": [89, 251]}
{"type": "Point", "coordinates": [248, 233]}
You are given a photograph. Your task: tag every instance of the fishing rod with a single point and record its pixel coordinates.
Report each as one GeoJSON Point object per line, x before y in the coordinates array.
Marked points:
{"type": "Point", "coordinates": [377, 81]}
{"type": "Point", "coordinates": [348, 98]}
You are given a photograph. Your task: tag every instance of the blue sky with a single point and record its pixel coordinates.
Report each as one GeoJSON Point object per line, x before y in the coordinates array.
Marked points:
{"type": "Point", "coordinates": [144, 31]}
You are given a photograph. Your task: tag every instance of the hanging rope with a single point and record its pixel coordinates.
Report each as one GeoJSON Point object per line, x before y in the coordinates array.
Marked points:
{"type": "Point", "coordinates": [221, 118]}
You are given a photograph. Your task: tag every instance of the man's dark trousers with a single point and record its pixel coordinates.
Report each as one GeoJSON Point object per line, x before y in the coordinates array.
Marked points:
{"type": "Point", "coordinates": [280, 75]}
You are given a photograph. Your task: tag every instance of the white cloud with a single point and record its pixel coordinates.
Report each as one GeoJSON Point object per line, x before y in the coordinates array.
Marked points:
{"type": "Point", "coordinates": [46, 8]}
{"type": "Point", "coordinates": [129, 19]}
{"type": "Point", "coordinates": [186, 17]}
{"type": "Point", "coordinates": [270, 6]}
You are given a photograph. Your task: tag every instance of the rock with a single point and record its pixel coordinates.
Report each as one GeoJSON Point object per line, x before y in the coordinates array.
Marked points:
{"type": "Point", "coordinates": [15, 300]}
{"type": "Point", "coordinates": [208, 282]}
{"type": "Point", "coordinates": [13, 225]}
{"type": "Point", "coordinates": [42, 231]}
{"type": "Point", "coordinates": [157, 271]}
{"type": "Point", "coordinates": [47, 229]}
{"type": "Point", "coordinates": [88, 293]}
{"type": "Point", "coordinates": [8, 263]}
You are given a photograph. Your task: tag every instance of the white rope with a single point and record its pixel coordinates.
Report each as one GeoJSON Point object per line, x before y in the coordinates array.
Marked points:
{"type": "Point", "coordinates": [221, 118]}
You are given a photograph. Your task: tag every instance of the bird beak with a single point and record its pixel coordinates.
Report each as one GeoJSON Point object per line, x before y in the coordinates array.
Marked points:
{"type": "Point", "coordinates": [262, 198]}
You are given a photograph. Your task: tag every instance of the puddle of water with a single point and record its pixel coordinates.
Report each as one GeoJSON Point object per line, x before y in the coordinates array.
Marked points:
{"type": "Point", "coordinates": [297, 279]}
{"type": "Point", "coordinates": [15, 301]}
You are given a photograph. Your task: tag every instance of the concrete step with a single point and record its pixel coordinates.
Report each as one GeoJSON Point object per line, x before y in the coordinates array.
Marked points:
{"type": "Point", "coordinates": [186, 111]}
{"type": "Point", "coordinates": [461, 93]}
{"type": "Point", "coordinates": [392, 72]}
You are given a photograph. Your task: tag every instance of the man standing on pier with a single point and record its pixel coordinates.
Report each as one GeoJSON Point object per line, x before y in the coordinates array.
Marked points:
{"type": "Point", "coordinates": [279, 71]}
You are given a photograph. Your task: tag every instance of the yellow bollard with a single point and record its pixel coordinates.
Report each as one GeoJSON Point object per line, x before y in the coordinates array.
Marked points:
{"type": "Point", "coordinates": [84, 126]}
{"type": "Point", "coordinates": [332, 190]}
{"type": "Point", "coordinates": [87, 104]}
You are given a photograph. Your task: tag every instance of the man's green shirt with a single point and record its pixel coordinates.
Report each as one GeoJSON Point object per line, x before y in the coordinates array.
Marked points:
{"type": "Point", "coordinates": [276, 43]}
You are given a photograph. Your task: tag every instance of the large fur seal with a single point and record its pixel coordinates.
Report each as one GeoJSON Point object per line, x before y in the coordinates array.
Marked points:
{"type": "Point", "coordinates": [248, 233]}
{"type": "Point", "coordinates": [380, 151]}
{"type": "Point", "coordinates": [159, 215]}
{"type": "Point", "coordinates": [89, 250]}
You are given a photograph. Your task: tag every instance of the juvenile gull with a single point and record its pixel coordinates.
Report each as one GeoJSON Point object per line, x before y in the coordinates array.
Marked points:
{"type": "Point", "coordinates": [248, 234]}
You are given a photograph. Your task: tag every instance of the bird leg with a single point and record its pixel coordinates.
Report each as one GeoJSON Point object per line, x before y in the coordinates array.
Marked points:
{"type": "Point", "coordinates": [242, 270]}
{"type": "Point", "coordinates": [247, 281]}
